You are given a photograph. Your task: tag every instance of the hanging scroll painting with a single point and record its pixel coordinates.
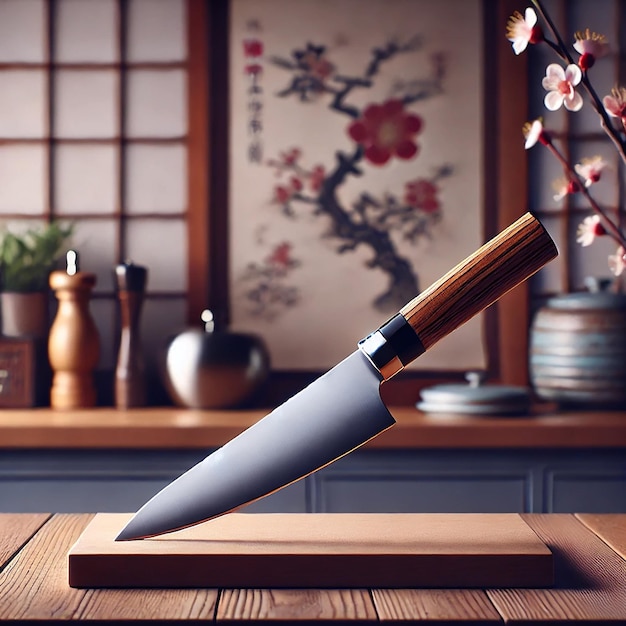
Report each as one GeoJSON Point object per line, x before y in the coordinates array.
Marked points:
{"type": "Point", "coordinates": [355, 164]}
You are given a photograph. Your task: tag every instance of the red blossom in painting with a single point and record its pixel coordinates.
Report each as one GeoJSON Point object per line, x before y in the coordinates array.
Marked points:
{"type": "Point", "coordinates": [252, 47]}
{"type": "Point", "coordinates": [291, 157]}
{"type": "Point", "coordinates": [282, 194]}
{"type": "Point", "coordinates": [316, 178]}
{"type": "Point", "coordinates": [281, 256]}
{"type": "Point", "coordinates": [294, 175]}
{"type": "Point", "coordinates": [296, 183]}
{"type": "Point", "coordinates": [422, 194]}
{"type": "Point", "coordinates": [286, 161]}
{"type": "Point", "coordinates": [319, 67]}
{"type": "Point", "coordinates": [386, 130]}
{"type": "Point", "coordinates": [314, 62]}
{"type": "Point", "coordinates": [269, 288]}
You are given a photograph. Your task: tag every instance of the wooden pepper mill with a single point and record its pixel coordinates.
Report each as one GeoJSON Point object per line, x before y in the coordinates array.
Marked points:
{"type": "Point", "coordinates": [73, 342]}
{"type": "Point", "coordinates": [130, 387]}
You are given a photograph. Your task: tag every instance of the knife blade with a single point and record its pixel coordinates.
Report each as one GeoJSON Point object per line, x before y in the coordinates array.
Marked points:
{"type": "Point", "coordinates": [342, 409]}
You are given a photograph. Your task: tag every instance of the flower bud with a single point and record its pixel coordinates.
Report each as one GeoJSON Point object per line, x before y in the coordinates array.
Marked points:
{"type": "Point", "coordinates": [586, 61]}
{"type": "Point", "coordinates": [598, 229]}
{"type": "Point", "coordinates": [544, 138]}
{"type": "Point", "coordinates": [536, 35]}
{"type": "Point", "coordinates": [573, 187]}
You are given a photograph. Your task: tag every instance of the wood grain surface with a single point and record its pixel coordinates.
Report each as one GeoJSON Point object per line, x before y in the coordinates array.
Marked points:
{"type": "Point", "coordinates": [317, 550]}
{"type": "Point", "coordinates": [441, 605]}
{"type": "Point", "coordinates": [589, 577]}
{"type": "Point", "coordinates": [296, 605]}
{"type": "Point", "coordinates": [171, 428]}
{"type": "Point", "coordinates": [147, 604]}
{"type": "Point", "coordinates": [34, 585]}
{"type": "Point", "coordinates": [502, 263]}
{"type": "Point", "coordinates": [15, 530]}
{"type": "Point", "coordinates": [590, 585]}
{"type": "Point", "coordinates": [610, 528]}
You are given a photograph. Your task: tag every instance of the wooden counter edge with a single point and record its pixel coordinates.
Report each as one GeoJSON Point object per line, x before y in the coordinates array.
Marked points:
{"type": "Point", "coordinates": [172, 428]}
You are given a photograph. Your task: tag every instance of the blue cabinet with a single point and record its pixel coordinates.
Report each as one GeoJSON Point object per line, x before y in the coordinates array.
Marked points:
{"type": "Point", "coordinates": [368, 480]}
{"type": "Point", "coordinates": [485, 481]}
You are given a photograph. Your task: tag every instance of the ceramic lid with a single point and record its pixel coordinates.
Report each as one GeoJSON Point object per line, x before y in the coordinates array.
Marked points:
{"type": "Point", "coordinates": [588, 301]}
{"type": "Point", "coordinates": [475, 398]}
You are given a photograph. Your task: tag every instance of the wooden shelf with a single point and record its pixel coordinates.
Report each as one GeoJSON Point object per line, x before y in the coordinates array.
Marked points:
{"type": "Point", "coordinates": [172, 428]}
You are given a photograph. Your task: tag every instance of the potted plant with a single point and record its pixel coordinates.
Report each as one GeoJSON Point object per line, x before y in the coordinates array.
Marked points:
{"type": "Point", "coordinates": [26, 260]}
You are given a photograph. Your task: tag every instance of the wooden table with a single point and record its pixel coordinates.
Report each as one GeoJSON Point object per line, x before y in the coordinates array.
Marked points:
{"type": "Point", "coordinates": [590, 559]}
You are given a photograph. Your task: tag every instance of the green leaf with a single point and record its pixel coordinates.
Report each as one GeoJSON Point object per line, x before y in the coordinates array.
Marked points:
{"type": "Point", "coordinates": [27, 260]}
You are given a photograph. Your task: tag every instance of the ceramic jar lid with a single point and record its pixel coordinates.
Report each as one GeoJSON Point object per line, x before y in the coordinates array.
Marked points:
{"type": "Point", "coordinates": [475, 398]}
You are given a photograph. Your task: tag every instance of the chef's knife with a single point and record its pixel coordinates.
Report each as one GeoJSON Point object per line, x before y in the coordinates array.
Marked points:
{"type": "Point", "coordinates": [343, 409]}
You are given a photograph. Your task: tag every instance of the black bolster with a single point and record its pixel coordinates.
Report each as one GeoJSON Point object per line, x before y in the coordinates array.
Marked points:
{"type": "Point", "coordinates": [402, 338]}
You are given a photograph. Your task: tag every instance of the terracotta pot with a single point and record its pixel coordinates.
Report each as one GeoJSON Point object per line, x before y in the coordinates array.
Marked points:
{"type": "Point", "coordinates": [24, 314]}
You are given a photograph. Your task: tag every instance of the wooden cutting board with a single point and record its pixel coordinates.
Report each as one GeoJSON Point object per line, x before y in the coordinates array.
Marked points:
{"type": "Point", "coordinates": [246, 550]}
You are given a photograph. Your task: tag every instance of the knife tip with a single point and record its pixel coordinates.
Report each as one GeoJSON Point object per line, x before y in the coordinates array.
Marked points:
{"type": "Point", "coordinates": [129, 534]}
{"type": "Point", "coordinates": [124, 536]}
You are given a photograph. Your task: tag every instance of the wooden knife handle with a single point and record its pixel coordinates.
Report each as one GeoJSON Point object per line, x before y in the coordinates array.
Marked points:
{"type": "Point", "coordinates": [502, 263]}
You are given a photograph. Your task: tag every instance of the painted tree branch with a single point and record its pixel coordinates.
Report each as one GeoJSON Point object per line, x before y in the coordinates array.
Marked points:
{"type": "Point", "coordinates": [353, 227]}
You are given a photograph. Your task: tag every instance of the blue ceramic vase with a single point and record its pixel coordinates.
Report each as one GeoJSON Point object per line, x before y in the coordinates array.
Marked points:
{"type": "Point", "coordinates": [578, 350]}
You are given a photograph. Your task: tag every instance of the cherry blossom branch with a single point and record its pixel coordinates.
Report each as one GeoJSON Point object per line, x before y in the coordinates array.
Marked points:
{"type": "Point", "coordinates": [562, 50]}
{"type": "Point", "coordinates": [612, 230]}
{"type": "Point", "coordinates": [553, 29]}
{"type": "Point", "coordinates": [605, 122]}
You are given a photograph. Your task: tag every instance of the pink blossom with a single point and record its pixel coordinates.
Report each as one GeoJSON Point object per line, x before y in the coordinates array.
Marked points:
{"type": "Point", "coordinates": [560, 187]}
{"type": "Point", "coordinates": [560, 83]}
{"type": "Point", "coordinates": [591, 47]}
{"type": "Point", "coordinates": [563, 187]}
{"type": "Point", "coordinates": [534, 132]}
{"type": "Point", "coordinates": [615, 104]}
{"type": "Point", "coordinates": [589, 229]}
{"type": "Point", "coordinates": [617, 261]}
{"type": "Point", "coordinates": [523, 30]}
{"type": "Point", "coordinates": [590, 169]}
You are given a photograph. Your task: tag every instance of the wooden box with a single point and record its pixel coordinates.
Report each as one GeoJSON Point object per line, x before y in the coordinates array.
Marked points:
{"type": "Point", "coordinates": [24, 372]}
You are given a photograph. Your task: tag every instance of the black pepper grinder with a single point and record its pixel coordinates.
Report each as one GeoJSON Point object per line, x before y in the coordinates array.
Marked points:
{"type": "Point", "coordinates": [130, 386]}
